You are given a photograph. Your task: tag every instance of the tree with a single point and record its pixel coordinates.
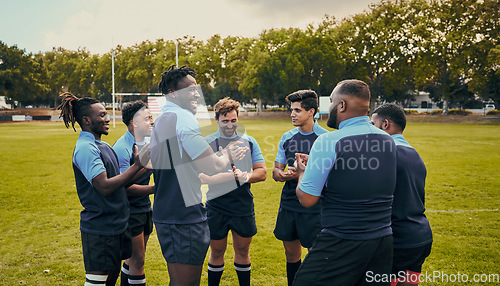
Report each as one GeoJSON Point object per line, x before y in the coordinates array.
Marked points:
{"type": "Point", "coordinates": [20, 75]}
{"type": "Point", "coordinates": [379, 46]}
{"type": "Point", "coordinates": [490, 88]}
{"type": "Point", "coordinates": [71, 71]}
{"type": "Point", "coordinates": [216, 67]}
{"type": "Point", "coordinates": [485, 79]}
{"type": "Point", "coordinates": [449, 47]}
{"type": "Point", "coordinates": [327, 66]}
{"type": "Point", "coordinates": [260, 76]}
{"type": "Point", "coordinates": [453, 43]}
{"type": "Point", "coordinates": [285, 60]}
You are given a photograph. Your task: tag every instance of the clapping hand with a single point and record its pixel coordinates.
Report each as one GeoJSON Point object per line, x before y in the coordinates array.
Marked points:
{"type": "Point", "coordinates": [240, 176]}
{"type": "Point", "coordinates": [301, 162]}
{"type": "Point", "coordinates": [143, 158]}
{"type": "Point", "coordinates": [234, 151]}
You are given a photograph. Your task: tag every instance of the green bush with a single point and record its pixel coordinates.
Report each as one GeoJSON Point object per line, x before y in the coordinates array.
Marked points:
{"type": "Point", "coordinates": [459, 112]}
{"type": "Point", "coordinates": [280, 109]}
{"type": "Point", "coordinates": [411, 111]}
{"type": "Point", "coordinates": [493, 112]}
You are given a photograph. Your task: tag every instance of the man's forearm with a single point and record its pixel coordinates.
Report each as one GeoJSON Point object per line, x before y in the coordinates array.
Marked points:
{"type": "Point", "coordinates": [139, 190]}
{"type": "Point", "coordinates": [258, 175]}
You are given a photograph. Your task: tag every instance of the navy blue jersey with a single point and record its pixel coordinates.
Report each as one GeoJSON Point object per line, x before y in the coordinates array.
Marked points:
{"type": "Point", "coordinates": [410, 226]}
{"type": "Point", "coordinates": [124, 149]}
{"type": "Point", "coordinates": [103, 215]}
{"type": "Point", "coordinates": [236, 200]}
{"type": "Point", "coordinates": [295, 141]}
{"type": "Point", "coordinates": [175, 141]}
{"type": "Point", "coordinates": [357, 163]}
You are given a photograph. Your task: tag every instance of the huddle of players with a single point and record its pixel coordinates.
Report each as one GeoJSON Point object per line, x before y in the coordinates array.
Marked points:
{"type": "Point", "coordinates": [340, 212]}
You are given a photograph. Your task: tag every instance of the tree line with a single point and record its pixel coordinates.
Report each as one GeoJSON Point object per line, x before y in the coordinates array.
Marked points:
{"type": "Point", "coordinates": [449, 48]}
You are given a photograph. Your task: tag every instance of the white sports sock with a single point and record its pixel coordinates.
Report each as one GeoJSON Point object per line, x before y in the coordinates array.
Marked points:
{"type": "Point", "coordinates": [95, 279]}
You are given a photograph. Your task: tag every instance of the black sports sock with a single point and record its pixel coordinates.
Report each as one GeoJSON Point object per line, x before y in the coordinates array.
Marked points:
{"type": "Point", "coordinates": [137, 280]}
{"type": "Point", "coordinates": [124, 275]}
{"type": "Point", "coordinates": [243, 272]}
{"type": "Point", "coordinates": [112, 278]}
{"type": "Point", "coordinates": [291, 269]}
{"type": "Point", "coordinates": [214, 274]}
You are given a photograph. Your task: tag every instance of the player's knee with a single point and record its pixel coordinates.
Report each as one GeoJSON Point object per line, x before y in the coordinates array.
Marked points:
{"type": "Point", "coordinates": [217, 253]}
{"type": "Point", "coordinates": [242, 251]}
{"type": "Point", "coordinates": [292, 256]}
{"type": "Point", "coordinates": [137, 261]}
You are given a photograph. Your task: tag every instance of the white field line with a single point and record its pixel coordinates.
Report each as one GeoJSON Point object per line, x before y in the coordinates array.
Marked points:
{"type": "Point", "coordinates": [475, 142]}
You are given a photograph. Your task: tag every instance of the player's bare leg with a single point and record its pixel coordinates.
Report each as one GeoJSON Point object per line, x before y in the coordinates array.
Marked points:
{"type": "Point", "coordinates": [184, 274]}
{"type": "Point", "coordinates": [242, 265]}
{"type": "Point", "coordinates": [293, 253]}
{"type": "Point", "coordinates": [136, 261]}
{"type": "Point", "coordinates": [216, 261]}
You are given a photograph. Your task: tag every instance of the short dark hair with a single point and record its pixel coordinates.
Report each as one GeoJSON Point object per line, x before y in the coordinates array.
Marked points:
{"type": "Point", "coordinates": [74, 108]}
{"type": "Point", "coordinates": [224, 106]}
{"type": "Point", "coordinates": [354, 87]}
{"type": "Point", "coordinates": [308, 99]}
{"type": "Point", "coordinates": [171, 78]}
{"type": "Point", "coordinates": [392, 112]}
{"type": "Point", "coordinates": [130, 109]}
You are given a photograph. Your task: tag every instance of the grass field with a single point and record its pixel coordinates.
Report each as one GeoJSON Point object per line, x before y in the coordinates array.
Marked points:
{"type": "Point", "coordinates": [39, 208]}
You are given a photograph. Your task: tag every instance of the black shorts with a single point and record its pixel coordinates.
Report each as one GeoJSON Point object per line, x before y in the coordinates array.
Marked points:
{"type": "Point", "coordinates": [220, 225]}
{"type": "Point", "coordinates": [105, 252]}
{"type": "Point", "coordinates": [336, 261]}
{"type": "Point", "coordinates": [292, 225]}
{"type": "Point", "coordinates": [410, 258]}
{"type": "Point", "coordinates": [141, 222]}
{"type": "Point", "coordinates": [184, 243]}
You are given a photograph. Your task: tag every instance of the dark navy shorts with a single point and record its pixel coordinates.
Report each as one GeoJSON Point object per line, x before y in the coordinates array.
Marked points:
{"type": "Point", "coordinates": [410, 258]}
{"type": "Point", "coordinates": [105, 252]}
{"type": "Point", "coordinates": [141, 222]}
{"type": "Point", "coordinates": [220, 224]}
{"type": "Point", "coordinates": [184, 243]}
{"type": "Point", "coordinates": [291, 226]}
{"type": "Point", "coordinates": [335, 261]}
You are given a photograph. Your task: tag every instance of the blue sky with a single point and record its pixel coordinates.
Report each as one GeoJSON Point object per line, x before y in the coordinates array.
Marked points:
{"type": "Point", "coordinates": [97, 25]}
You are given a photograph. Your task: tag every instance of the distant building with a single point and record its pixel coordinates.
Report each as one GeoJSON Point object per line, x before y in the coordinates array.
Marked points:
{"type": "Point", "coordinates": [3, 103]}
{"type": "Point", "coordinates": [422, 100]}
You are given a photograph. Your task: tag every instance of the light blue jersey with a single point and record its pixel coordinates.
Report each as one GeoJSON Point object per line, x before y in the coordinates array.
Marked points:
{"type": "Point", "coordinates": [354, 170]}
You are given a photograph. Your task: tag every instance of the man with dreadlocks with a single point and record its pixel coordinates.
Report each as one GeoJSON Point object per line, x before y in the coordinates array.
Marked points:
{"type": "Point", "coordinates": [179, 153]}
{"type": "Point", "coordinates": [139, 122]}
{"type": "Point", "coordinates": [104, 220]}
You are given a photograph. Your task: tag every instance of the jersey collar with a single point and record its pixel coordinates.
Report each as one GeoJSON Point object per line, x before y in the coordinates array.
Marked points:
{"type": "Point", "coordinates": [315, 128]}
{"type": "Point", "coordinates": [169, 105]}
{"type": "Point", "coordinates": [355, 121]}
{"type": "Point", "coordinates": [87, 135]}
{"type": "Point", "coordinates": [400, 140]}
{"type": "Point", "coordinates": [219, 135]}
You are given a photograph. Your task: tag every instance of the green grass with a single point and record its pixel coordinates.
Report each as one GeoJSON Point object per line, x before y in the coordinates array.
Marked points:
{"type": "Point", "coordinates": [39, 207]}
